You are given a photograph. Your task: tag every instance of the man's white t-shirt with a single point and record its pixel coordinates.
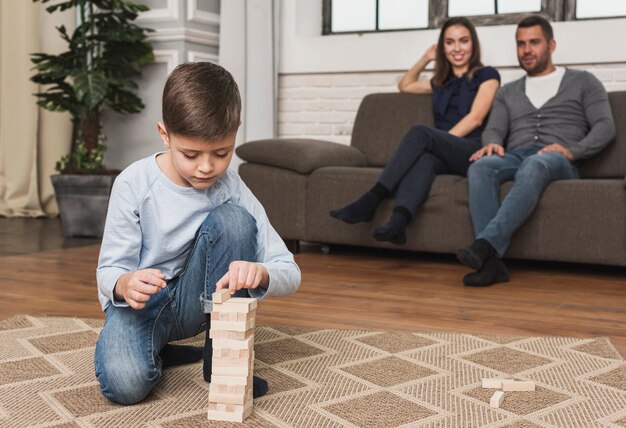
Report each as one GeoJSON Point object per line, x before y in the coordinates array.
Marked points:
{"type": "Point", "coordinates": [541, 88]}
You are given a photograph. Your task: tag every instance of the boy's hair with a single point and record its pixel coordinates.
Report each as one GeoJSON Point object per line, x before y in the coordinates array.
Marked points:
{"type": "Point", "coordinates": [201, 100]}
{"type": "Point", "coordinates": [531, 21]}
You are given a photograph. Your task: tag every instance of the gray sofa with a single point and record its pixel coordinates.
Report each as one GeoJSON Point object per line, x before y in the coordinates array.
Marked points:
{"type": "Point", "coordinates": [300, 180]}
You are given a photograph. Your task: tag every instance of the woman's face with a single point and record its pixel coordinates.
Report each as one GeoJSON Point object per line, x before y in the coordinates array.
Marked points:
{"type": "Point", "coordinates": [457, 46]}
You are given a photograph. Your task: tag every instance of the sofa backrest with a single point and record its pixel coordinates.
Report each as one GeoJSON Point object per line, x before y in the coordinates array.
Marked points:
{"type": "Point", "coordinates": [610, 162]}
{"type": "Point", "coordinates": [383, 119]}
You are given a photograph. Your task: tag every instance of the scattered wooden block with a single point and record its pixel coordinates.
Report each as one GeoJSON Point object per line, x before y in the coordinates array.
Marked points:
{"type": "Point", "coordinates": [496, 399]}
{"type": "Point", "coordinates": [492, 383]}
{"type": "Point", "coordinates": [221, 296]}
{"type": "Point", "coordinates": [516, 385]}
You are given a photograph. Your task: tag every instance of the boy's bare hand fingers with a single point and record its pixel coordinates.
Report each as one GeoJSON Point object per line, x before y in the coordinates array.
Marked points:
{"type": "Point", "coordinates": [153, 276]}
{"type": "Point", "coordinates": [250, 278]}
{"type": "Point", "coordinates": [138, 296]}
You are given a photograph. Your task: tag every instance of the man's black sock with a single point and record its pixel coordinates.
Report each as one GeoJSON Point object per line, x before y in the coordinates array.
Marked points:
{"type": "Point", "coordinates": [176, 355]}
{"type": "Point", "coordinates": [364, 208]}
{"type": "Point", "coordinates": [493, 272]}
{"type": "Point", "coordinates": [259, 387]}
{"type": "Point", "coordinates": [476, 254]}
{"type": "Point", "coordinates": [395, 229]}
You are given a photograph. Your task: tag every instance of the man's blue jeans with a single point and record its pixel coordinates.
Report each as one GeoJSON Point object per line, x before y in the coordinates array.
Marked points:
{"type": "Point", "coordinates": [127, 353]}
{"type": "Point", "coordinates": [531, 172]}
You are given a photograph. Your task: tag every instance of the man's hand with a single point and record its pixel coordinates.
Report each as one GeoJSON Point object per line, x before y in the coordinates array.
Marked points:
{"type": "Point", "coordinates": [243, 275]}
{"type": "Point", "coordinates": [136, 288]}
{"type": "Point", "coordinates": [557, 148]}
{"type": "Point", "coordinates": [488, 150]}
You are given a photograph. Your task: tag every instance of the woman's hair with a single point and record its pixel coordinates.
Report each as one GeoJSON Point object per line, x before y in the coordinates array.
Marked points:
{"type": "Point", "coordinates": [443, 70]}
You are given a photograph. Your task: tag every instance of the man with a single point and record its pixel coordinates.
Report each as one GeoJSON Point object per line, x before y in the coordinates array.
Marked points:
{"type": "Point", "coordinates": [548, 120]}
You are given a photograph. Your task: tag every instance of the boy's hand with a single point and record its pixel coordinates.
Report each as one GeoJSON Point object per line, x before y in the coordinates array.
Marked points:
{"type": "Point", "coordinates": [243, 275]}
{"type": "Point", "coordinates": [137, 287]}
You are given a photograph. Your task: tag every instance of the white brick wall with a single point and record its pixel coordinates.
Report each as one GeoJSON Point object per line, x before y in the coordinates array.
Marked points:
{"type": "Point", "coordinates": [323, 106]}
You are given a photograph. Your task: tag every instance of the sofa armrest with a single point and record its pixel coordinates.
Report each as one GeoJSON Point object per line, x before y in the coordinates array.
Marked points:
{"type": "Point", "coordinates": [301, 155]}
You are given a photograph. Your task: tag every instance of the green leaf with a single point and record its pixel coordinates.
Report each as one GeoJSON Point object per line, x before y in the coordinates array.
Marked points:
{"type": "Point", "coordinates": [91, 88]}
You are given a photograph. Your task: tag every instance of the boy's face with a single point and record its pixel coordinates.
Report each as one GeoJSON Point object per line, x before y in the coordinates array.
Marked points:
{"type": "Point", "coordinates": [196, 162]}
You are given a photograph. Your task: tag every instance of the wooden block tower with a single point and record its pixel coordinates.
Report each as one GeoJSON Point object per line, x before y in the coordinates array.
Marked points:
{"type": "Point", "coordinates": [232, 331]}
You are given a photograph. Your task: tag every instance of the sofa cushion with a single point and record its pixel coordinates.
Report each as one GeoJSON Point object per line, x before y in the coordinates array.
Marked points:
{"type": "Point", "coordinates": [382, 121]}
{"type": "Point", "coordinates": [302, 155]}
{"type": "Point", "coordinates": [611, 162]}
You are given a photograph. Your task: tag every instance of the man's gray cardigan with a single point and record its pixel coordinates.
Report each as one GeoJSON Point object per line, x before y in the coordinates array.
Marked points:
{"type": "Point", "coordinates": [578, 117]}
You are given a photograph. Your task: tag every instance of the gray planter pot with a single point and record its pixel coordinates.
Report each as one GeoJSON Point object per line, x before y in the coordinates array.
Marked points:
{"type": "Point", "coordinates": [83, 201]}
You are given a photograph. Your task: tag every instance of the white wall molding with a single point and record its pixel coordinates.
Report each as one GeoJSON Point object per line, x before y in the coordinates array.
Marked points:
{"type": "Point", "coordinates": [168, 13]}
{"type": "Point", "coordinates": [205, 38]}
{"type": "Point", "coordinates": [197, 56]}
{"type": "Point", "coordinates": [168, 56]}
{"type": "Point", "coordinates": [304, 50]}
{"type": "Point", "coordinates": [200, 16]}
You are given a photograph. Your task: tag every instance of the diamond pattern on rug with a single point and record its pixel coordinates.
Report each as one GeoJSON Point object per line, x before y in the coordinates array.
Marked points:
{"type": "Point", "coordinates": [28, 369]}
{"type": "Point", "coordinates": [15, 323]}
{"type": "Point", "coordinates": [521, 402]}
{"type": "Point", "coordinates": [599, 347]}
{"type": "Point", "coordinates": [396, 342]}
{"type": "Point", "coordinates": [65, 342]}
{"type": "Point", "coordinates": [382, 409]}
{"type": "Point", "coordinates": [615, 378]}
{"type": "Point", "coordinates": [507, 360]}
{"type": "Point", "coordinates": [322, 378]}
{"type": "Point", "coordinates": [501, 340]}
{"type": "Point", "coordinates": [282, 350]}
{"type": "Point", "coordinates": [388, 371]}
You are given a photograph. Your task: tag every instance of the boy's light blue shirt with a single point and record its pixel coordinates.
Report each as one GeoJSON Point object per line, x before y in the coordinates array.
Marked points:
{"type": "Point", "coordinates": [151, 224]}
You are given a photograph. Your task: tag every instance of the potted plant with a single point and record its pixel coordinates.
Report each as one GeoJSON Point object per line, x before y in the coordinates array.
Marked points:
{"type": "Point", "coordinates": [105, 53]}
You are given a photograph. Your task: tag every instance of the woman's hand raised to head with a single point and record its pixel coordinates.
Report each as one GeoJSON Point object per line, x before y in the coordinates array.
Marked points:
{"type": "Point", "coordinates": [431, 53]}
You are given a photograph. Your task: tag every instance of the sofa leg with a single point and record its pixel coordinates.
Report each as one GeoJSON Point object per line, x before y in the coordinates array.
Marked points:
{"type": "Point", "coordinates": [293, 245]}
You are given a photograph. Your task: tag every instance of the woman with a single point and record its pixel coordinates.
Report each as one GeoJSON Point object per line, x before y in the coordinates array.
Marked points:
{"type": "Point", "coordinates": [463, 91]}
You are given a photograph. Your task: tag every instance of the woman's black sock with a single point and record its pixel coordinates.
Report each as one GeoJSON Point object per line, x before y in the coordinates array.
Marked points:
{"type": "Point", "coordinates": [395, 229]}
{"type": "Point", "coordinates": [493, 272]}
{"type": "Point", "coordinates": [364, 208]}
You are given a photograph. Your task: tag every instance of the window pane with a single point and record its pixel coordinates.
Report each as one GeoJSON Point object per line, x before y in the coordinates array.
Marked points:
{"type": "Point", "coordinates": [517, 6]}
{"type": "Point", "coordinates": [600, 8]}
{"type": "Point", "coordinates": [353, 15]}
{"type": "Point", "coordinates": [471, 7]}
{"type": "Point", "coordinates": [394, 14]}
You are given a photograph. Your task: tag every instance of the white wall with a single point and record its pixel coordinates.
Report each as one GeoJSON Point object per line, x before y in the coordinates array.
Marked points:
{"type": "Point", "coordinates": [323, 78]}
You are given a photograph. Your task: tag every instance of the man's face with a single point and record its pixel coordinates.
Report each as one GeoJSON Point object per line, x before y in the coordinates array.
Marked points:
{"type": "Point", "coordinates": [534, 52]}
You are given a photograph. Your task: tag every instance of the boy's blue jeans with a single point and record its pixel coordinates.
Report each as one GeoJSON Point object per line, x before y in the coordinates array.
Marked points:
{"type": "Point", "coordinates": [531, 172]}
{"type": "Point", "coordinates": [127, 353]}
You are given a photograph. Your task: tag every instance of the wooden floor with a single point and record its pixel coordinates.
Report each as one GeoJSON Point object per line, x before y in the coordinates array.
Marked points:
{"type": "Point", "coordinates": [348, 288]}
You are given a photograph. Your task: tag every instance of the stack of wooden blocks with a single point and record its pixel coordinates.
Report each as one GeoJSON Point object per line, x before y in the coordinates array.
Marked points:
{"type": "Point", "coordinates": [232, 331]}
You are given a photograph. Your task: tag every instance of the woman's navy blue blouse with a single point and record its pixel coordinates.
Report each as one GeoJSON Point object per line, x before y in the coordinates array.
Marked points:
{"type": "Point", "coordinates": [453, 100]}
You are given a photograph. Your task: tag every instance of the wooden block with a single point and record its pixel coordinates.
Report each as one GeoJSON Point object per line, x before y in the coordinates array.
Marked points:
{"type": "Point", "coordinates": [229, 389]}
{"type": "Point", "coordinates": [224, 398]}
{"type": "Point", "coordinates": [220, 296]}
{"type": "Point", "coordinates": [231, 380]}
{"type": "Point", "coordinates": [215, 415]}
{"type": "Point", "coordinates": [230, 335]}
{"type": "Point", "coordinates": [233, 326]}
{"type": "Point", "coordinates": [496, 399]}
{"type": "Point", "coordinates": [232, 353]}
{"type": "Point", "coordinates": [517, 385]}
{"type": "Point", "coordinates": [244, 367]}
{"type": "Point", "coordinates": [233, 344]}
{"type": "Point", "coordinates": [494, 383]}
{"type": "Point", "coordinates": [237, 304]}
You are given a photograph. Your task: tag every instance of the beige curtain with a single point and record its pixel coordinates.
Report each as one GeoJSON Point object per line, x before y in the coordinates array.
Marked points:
{"type": "Point", "coordinates": [31, 139]}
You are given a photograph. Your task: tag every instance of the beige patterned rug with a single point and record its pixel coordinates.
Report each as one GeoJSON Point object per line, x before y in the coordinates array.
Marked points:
{"type": "Point", "coordinates": [325, 378]}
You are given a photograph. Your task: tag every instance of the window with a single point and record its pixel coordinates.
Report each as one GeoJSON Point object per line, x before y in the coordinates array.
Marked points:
{"type": "Point", "coordinates": [359, 16]}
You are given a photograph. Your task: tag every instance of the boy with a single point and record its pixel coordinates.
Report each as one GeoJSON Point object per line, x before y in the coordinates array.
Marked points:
{"type": "Point", "coordinates": [181, 225]}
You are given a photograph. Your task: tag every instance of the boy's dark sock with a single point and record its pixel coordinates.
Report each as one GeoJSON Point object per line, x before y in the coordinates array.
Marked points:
{"type": "Point", "coordinates": [207, 353]}
{"type": "Point", "coordinates": [476, 254]}
{"type": "Point", "coordinates": [259, 387]}
{"type": "Point", "coordinates": [176, 355]}
{"type": "Point", "coordinates": [395, 229]}
{"type": "Point", "coordinates": [364, 208]}
{"type": "Point", "coordinates": [493, 272]}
